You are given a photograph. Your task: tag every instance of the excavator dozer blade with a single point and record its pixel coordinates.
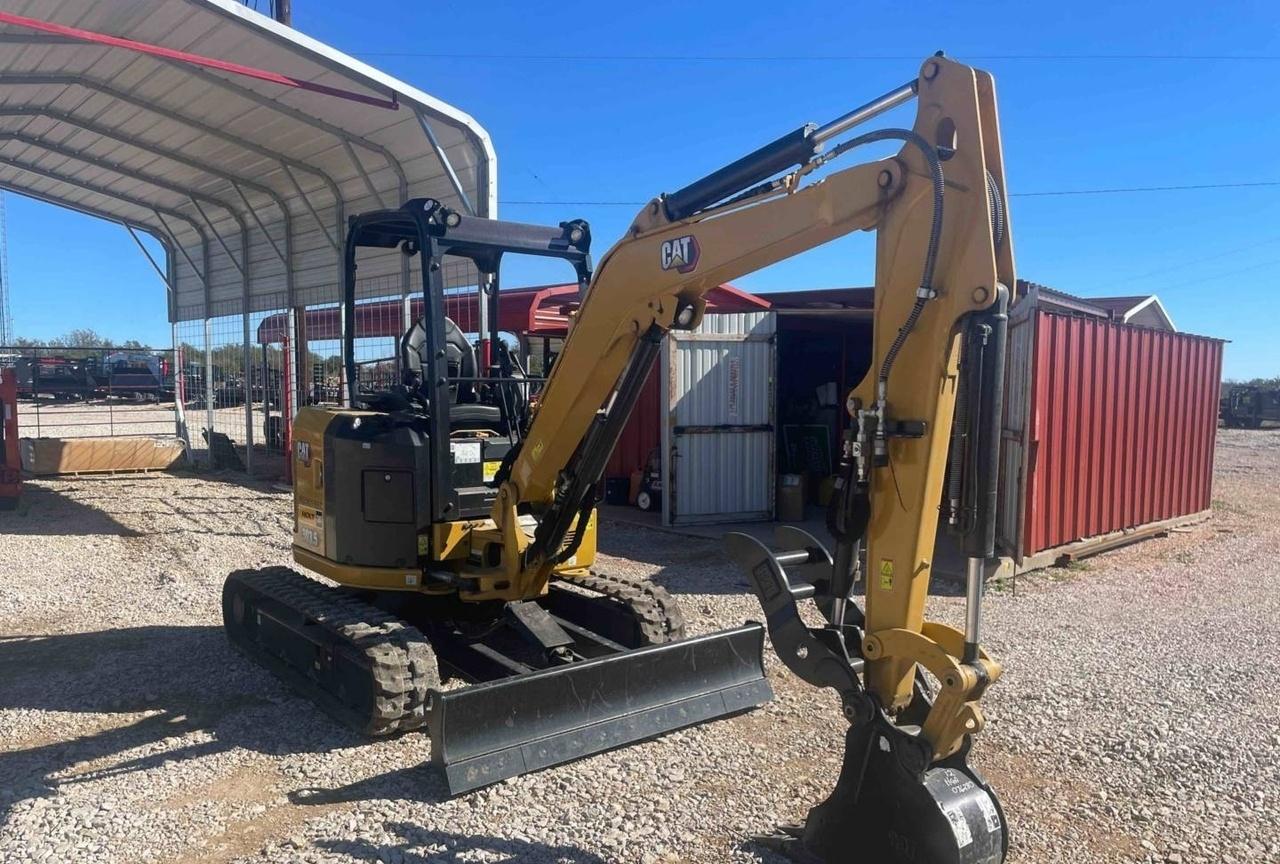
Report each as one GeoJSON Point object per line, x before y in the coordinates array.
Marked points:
{"type": "Point", "coordinates": [487, 732]}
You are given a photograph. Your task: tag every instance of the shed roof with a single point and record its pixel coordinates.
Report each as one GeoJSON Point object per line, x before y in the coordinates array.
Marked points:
{"type": "Point", "coordinates": [818, 299]}
{"type": "Point", "coordinates": [245, 180]}
{"type": "Point", "coordinates": [1121, 308]}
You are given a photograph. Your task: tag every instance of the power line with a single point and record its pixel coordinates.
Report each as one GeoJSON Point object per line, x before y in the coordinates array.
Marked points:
{"type": "Point", "coordinates": [1121, 190]}
{"type": "Point", "coordinates": [1182, 265]}
{"type": "Point", "coordinates": [820, 58]}
{"type": "Point", "coordinates": [1222, 275]}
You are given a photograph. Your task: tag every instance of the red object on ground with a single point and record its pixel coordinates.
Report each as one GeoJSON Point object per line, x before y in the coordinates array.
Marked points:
{"type": "Point", "coordinates": [1123, 422]}
{"type": "Point", "coordinates": [10, 461]}
{"type": "Point", "coordinates": [194, 59]}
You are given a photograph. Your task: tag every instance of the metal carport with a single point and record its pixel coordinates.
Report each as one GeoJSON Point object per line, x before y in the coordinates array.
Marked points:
{"type": "Point", "coordinates": [244, 179]}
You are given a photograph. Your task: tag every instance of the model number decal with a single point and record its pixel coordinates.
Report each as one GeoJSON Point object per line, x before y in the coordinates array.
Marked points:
{"type": "Point", "coordinates": [680, 254]}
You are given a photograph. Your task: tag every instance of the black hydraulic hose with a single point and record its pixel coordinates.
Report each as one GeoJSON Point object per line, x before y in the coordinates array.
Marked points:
{"type": "Point", "coordinates": [935, 229]}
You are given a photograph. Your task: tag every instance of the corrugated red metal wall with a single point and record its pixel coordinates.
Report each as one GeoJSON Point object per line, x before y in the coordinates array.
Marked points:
{"type": "Point", "coordinates": [642, 433]}
{"type": "Point", "coordinates": [1122, 428]}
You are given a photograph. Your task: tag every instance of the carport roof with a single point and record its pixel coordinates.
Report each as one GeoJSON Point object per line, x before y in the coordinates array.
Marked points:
{"type": "Point", "coordinates": [245, 181]}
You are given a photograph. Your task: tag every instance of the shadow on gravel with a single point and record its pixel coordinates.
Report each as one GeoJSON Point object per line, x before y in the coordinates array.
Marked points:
{"type": "Point", "coordinates": [46, 512]}
{"type": "Point", "coordinates": [185, 679]}
{"type": "Point", "coordinates": [423, 846]}
{"type": "Point", "coordinates": [420, 783]}
{"type": "Point", "coordinates": [104, 505]}
{"type": "Point", "coordinates": [259, 485]}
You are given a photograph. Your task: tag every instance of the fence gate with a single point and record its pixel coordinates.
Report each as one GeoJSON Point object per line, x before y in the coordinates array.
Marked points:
{"type": "Point", "coordinates": [719, 438]}
{"type": "Point", "coordinates": [93, 392]}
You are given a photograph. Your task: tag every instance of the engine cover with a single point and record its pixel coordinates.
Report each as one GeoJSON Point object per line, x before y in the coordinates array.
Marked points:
{"type": "Point", "coordinates": [360, 486]}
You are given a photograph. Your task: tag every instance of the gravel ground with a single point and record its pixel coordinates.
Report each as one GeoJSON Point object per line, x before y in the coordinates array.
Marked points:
{"type": "Point", "coordinates": [1135, 721]}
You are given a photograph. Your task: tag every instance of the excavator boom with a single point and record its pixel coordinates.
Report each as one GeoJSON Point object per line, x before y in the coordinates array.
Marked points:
{"type": "Point", "coordinates": [925, 417]}
{"type": "Point", "coordinates": [391, 492]}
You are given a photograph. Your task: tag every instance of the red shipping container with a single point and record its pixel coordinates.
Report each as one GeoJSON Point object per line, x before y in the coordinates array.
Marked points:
{"type": "Point", "coordinates": [1120, 428]}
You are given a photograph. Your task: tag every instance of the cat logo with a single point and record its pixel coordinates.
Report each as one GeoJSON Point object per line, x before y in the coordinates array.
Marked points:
{"type": "Point", "coordinates": [680, 254]}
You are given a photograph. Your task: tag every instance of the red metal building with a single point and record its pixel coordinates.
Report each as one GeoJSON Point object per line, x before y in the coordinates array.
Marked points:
{"type": "Point", "coordinates": [1109, 427]}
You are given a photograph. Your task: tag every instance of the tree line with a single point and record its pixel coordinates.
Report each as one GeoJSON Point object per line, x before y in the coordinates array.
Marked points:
{"type": "Point", "coordinates": [83, 337]}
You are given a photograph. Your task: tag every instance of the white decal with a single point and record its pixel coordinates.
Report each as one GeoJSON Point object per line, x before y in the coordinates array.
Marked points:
{"type": "Point", "coordinates": [680, 254]}
{"type": "Point", "coordinates": [959, 826]}
{"type": "Point", "coordinates": [465, 452]}
{"type": "Point", "coordinates": [989, 810]}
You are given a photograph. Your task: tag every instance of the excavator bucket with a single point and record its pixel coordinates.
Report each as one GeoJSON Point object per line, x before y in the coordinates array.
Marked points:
{"type": "Point", "coordinates": [887, 808]}
{"type": "Point", "coordinates": [498, 729]}
{"type": "Point", "coordinates": [892, 804]}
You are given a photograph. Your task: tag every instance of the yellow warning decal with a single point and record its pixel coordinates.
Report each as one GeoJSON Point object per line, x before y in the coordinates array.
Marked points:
{"type": "Point", "coordinates": [491, 470]}
{"type": "Point", "coordinates": [886, 574]}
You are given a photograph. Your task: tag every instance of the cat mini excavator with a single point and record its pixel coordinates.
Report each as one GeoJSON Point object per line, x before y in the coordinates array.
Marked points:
{"type": "Point", "coordinates": [457, 516]}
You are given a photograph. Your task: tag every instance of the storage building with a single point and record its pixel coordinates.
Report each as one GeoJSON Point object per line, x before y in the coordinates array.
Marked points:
{"type": "Point", "coordinates": [1109, 431]}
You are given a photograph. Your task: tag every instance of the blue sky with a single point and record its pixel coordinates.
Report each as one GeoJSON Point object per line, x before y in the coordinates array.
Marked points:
{"type": "Point", "coordinates": [626, 129]}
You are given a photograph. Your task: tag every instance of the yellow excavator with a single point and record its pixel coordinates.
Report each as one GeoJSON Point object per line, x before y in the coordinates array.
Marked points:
{"type": "Point", "coordinates": [456, 509]}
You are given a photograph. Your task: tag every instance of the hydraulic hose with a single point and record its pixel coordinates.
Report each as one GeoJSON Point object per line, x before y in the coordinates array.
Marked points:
{"type": "Point", "coordinates": [997, 211]}
{"type": "Point", "coordinates": [935, 233]}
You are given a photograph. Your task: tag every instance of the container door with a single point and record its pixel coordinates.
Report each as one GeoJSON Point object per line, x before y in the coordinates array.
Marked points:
{"type": "Point", "coordinates": [718, 440]}
{"type": "Point", "coordinates": [1014, 438]}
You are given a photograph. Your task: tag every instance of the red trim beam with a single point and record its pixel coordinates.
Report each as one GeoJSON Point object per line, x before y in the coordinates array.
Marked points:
{"type": "Point", "coordinates": [90, 36]}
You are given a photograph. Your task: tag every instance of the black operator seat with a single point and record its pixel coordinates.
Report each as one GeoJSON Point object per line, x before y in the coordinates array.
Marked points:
{"type": "Point", "coordinates": [465, 409]}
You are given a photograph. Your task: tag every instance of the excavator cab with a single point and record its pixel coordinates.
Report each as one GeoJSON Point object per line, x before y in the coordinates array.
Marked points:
{"type": "Point", "coordinates": [467, 395]}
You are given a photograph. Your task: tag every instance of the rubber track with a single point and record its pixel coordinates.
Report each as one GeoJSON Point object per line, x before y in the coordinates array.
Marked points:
{"type": "Point", "coordinates": [656, 611]}
{"type": "Point", "coordinates": [400, 661]}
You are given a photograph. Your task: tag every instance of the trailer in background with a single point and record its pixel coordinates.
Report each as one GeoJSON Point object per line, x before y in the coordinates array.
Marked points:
{"type": "Point", "coordinates": [1248, 406]}
{"type": "Point", "coordinates": [57, 377]}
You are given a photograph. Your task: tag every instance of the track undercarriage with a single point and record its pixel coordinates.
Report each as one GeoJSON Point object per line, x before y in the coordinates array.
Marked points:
{"type": "Point", "coordinates": [596, 664]}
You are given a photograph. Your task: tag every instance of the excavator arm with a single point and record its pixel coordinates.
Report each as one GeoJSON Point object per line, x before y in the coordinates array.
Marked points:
{"type": "Point", "coordinates": [944, 270]}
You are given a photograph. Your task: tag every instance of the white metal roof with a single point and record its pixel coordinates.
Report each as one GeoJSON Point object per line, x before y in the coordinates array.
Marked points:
{"type": "Point", "coordinates": [246, 183]}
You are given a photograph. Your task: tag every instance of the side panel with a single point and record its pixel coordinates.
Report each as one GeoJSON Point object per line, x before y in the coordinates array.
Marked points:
{"type": "Point", "coordinates": [719, 440]}
{"type": "Point", "coordinates": [1015, 437]}
{"type": "Point", "coordinates": [1122, 428]}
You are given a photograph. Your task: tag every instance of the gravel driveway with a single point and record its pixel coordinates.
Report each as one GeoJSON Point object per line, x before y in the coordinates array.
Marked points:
{"type": "Point", "coordinates": [1136, 720]}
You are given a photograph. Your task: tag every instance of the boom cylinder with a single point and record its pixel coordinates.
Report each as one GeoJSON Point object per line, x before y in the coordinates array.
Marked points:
{"type": "Point", "coordinates": [863, 113]}
{"type": "Point", "coordinates": [793, 149]}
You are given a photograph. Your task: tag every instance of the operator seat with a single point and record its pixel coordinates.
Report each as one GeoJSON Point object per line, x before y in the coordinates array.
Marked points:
{"type": "Point", "coordinates": [465, 409]}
